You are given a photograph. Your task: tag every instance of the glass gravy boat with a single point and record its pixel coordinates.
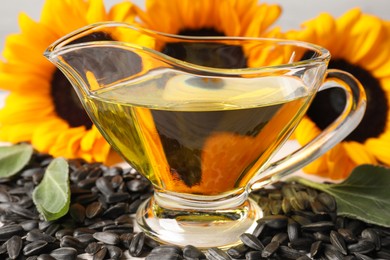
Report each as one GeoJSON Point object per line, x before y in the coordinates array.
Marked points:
{"type": "Point", "coordinates": [201, 118]}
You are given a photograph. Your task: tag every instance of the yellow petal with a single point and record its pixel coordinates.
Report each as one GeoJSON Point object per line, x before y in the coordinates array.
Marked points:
{"type": "Point", "coordinates": [18, 132]}
{"type": "Point", "coordinates": [122, 12]}
{"type": "Point", "coordinates": [379, 147]}
{"type": "Point", "coordinates": [20, 108]}
{"type": "Point", "coordinates": [96, 12]}
{"type": "Point", "coordinates": [29, 29]}
{"type": "Point", "coordinates": [67, 143]}
{"type": "Point", "coordinates": [358, 153]}
{"type": "Point", "coordinates": [27, 83]}
{"type": "Point", "coordinates": [339, 163]}
{"type": "Point", "coordinates": [46, 134]}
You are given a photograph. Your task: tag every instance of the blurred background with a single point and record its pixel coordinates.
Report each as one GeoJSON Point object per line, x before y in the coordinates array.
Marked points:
{"type": "Point", "coordinates": [294, 11]}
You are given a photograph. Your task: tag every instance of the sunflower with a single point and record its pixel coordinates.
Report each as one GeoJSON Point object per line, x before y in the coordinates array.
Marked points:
{"type": "Point", "coordinates": [209, 17]}
{"type": "Point", "coordinates": [359, 44]}
{"type": "Point", "coordinates": [41, 107]}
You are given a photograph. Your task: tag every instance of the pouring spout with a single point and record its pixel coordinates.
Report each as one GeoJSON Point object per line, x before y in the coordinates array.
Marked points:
{"type": "Point", "coordinates": [91, 58]}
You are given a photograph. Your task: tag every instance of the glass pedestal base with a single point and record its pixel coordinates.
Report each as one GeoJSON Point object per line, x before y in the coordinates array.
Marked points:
{"type": "Point", "coordinates": [201, 227]}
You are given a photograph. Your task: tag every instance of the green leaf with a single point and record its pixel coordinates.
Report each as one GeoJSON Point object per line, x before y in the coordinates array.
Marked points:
{"type": "Point", "coordinates": [365, 195]}
{"type": "Point", "coordinates": [52, 195]}
{"type": "Point", "coordinates": [14, 158]}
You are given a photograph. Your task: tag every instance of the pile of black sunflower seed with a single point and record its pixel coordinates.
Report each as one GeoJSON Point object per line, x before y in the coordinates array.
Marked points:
{"type": "Point", "coordinates": [299, 223]}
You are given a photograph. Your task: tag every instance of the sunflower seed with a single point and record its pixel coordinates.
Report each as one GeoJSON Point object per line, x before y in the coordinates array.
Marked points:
{"type": "Point", "coordinates": [301, 243]}
{"type": "Point", "coordinates": [338, 242]}
{"type": "Point", "coordinates": [167, 250]}
{"type": "Point", "coordinates": [251, 241]}
{"type": "Point", "coordinates": [289, 253]}
{"type": "Point", "coordinates": [69, 241]}
{"type": "Point", "coordinates": [119, 229]}
{"type": "Point", "coordinates": [82, 231]}
{"type": "Point", "coordinates": [362, 246]}
{"type": "Point", "coordinates": [275, 221]}
{"type": "Point", "coordinates": [28, 214]}
{"type": "Point", "coordinates": [77, 212]}
{"type": "Point", "coordinates": [52, 229]}
{"type": "Point", "coordinates": [317, 206]}
{"type": "Point", "coordinates": [260, 227]}
{"type": "Point", "coordinates": [93, 248]}
{"type": "Point", "coordinates": [87, 183]}
{"type": "Point", "coordinates": [115, 211]}
{"type": "Point", "coordinates": [107, 237]}
{"type": "Point", "coordinates": [385, 241]}
{"type": "Point", "coordinates": [292, 230]}
{"type": "Point", "coordinates": [63, 232]}
{"type": "Point", "coordinates": [4, 196]}
{"type": "Point", "coordinates": [318, 226]}
{"type": "Point", "coordinates": [127, 237]}
{"type": "Point", "coordinates": [286, 206]}
{"type": "Point", "coordinates": [280, 237]}
{"type": "Point", "coordinates": [356, 226]}
{"type": "Point", "coordinates": [134, 206]}
{"type": "Point", "coordinates": [167, 256]}
{"type": "Point", "coordinates": [14, 246]}
{"type": "Point", "coordinates": [332, 253]}
{"type": "Point", "coordinates": [34, 248]}
{"type": "Point", "coordinates": [383, 254]}
{"type": "Point", "coordinates": [114, 252]}
{"type": "Point", "coordinates": [64, 253]}
{"type": "Point", "coordinates": [29, 225]}
{"type": "Point", "coordinates": [85, 238]}
{"type": "Point", "coordinates": [113, 171]}
{"type": "Point", "coordinates": [315, 248]}
{"type": "Point", "coordinates": [270, 249]}
{"type": "Point", "coordinates": [137, 244]}
{"type": "Point", "coordinates": [327, 200]}
{"type": "Point", "coordinates": [101, 224]}
{"type": "Point", "coordinates": [104, 186]}
{"type": "Point", "coordinates": [297, 204]}
{"type": "Point", "coordinates": [37, 234]}
{"type": "Point", "coordinates": [117, 197]}
{"type": "Point", "coordinates": [45, 257]}
{"type": "Point", "coordinates": [320, 236]}
{"type": "Point", "coordinates": [253, 255]}
{"type": "Point", "coordinates": [86, 198]}
{"type": "Point", "coordinates": [347, 234]}
{"type": "Point", "coordinates": [238, 251]}
{"type": "Point", "coordinates": [275, 206]}
{"type": "Point", "coordinates": [3, 248]}
{"type": "Point", "coordinates": [217, 254]}
{"type": "Point", "coordinates": [191, 252]}
{"type": "Point", "coordinates": [43, 225]}
{"type": "Point", "coordinates": [371, 235]}
{"type": "Point", "coordinates": [100, 254]}
{"type": "Point", "coordinates": [6, 232]}
{"type": "Point", "coordinates": [301, 220]}
{"type": "Point", "coordinates": [360, 256]}
{"type": "Point", "coordinates": [137, 185]}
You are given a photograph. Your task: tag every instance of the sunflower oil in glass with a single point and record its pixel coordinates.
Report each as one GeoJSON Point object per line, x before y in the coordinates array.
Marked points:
{"type": "Point", "coordinates": [198, 135]}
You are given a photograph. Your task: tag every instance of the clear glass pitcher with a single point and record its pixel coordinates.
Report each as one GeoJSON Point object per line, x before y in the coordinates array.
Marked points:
{"type": "Point", "coordinates": [201, 118]}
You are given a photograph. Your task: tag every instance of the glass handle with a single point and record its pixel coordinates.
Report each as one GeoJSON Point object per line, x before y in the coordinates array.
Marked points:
{"type": "Point", "coordinates": [328, 138]}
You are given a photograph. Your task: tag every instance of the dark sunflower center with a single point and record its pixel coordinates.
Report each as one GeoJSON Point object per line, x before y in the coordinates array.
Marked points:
{"type": "Point", "coordinates": [215, 55]}
{"type": "Point", "coordinates": [67, 104]}
{"type": "Point", "coordinates": [328, 104]}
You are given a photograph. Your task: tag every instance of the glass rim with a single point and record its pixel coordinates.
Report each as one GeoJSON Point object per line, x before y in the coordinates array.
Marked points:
{"type": "Point", "coordinates": [61, 46]}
